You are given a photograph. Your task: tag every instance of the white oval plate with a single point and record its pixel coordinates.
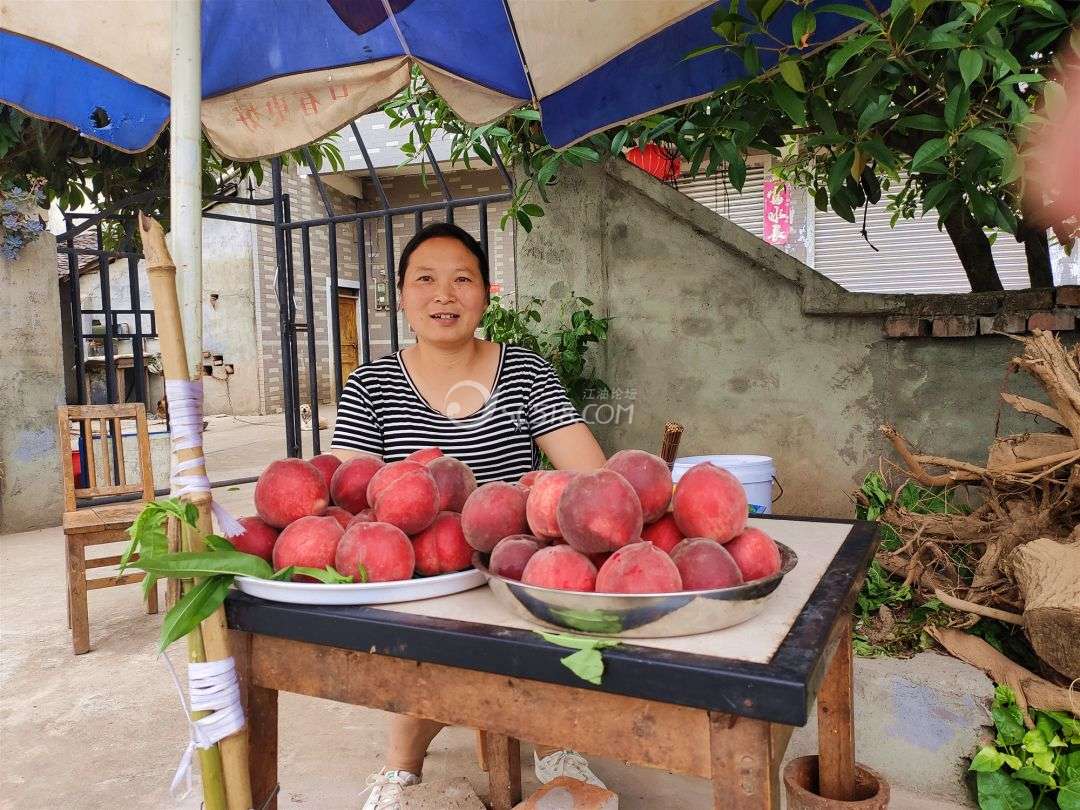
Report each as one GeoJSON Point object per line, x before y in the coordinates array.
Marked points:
{"type": "Point", "coordinates": [369, 593]}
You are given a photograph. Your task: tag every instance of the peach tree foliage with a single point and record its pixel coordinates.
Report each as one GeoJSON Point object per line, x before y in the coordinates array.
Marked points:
{"type": "Point", "coordinates": [926, 103]}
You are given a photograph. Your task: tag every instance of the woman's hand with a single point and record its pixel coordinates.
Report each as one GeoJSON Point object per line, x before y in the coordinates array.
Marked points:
{"type": "Point", "coordinates": [572, 448]}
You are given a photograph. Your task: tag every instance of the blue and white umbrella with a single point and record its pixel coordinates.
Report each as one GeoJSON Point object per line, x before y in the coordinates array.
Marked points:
{"type": "Point", "coordinates": [277, 74]}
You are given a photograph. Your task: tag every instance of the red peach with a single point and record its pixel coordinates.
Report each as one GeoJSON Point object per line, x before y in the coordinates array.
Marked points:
{"type": "Point", "coordinates": [310, 542]}
{"type": "Point", "coordinates": [663, 533]}
{"type": "Point", "coordinates": [383, 550]}
{"type": "Point", "coordinates": [649, 476]}
{"type": "Point", "coordinates": [705, 564]}
{"type": "Point", "coordinates": [386, 475]}
{"type": "Point", "coordinates": [639, 568]}
{"type": "Point", "coordinates": [455, 481]}
{"type": "Point", "coordinates": [441, 547]}
{"type": "Point", "coordinates": [529, 478]}
{"type": "Point", "coordinates": [410, 501]}
{"type": "Point", "coordinates": [425, 455]}
{"type": "Point", "coordinates": [349, 485]}
{"type": "Point", "coordinates": [756, 554]}
{"type": "Point", "coordinates": [543, 502]}
{"type": "Point", "coordinates": [289, 490]}
{"type": "Point", "coordinates": [326, 464]}
{"type": "Point", "coordinates": [510, 555]}
{"type": "Point", "coordinates": [709, 502]}
{"type": "Point", "coordinates": [492, 512]}
{"type": "Point", "coordinates": [560, 567]}
{"type": "Point", "coordinates": [258, 538]}
{"type": "Point", "coordinates": [342, 516]}
{"type": "Point", "coordinates": [363, 516]}
{"type": "Point", "coordinates": [599, 511]}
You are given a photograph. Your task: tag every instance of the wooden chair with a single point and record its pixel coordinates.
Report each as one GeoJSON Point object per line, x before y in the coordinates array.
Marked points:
{"type": "Point", "coordinates": [98, 525]}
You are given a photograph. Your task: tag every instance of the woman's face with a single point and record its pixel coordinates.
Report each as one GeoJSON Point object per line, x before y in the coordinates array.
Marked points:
{"type": "Point", "coordinates": [443, 295]}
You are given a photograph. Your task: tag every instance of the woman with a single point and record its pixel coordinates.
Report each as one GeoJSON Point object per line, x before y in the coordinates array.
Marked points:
{"type": "Point", "coordinates": [492, 406]}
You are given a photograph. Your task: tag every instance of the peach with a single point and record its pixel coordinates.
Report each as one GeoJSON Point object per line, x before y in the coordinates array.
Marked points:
{"type": "Point", "coordinates": [529, 478]}
{"type": "Point", "coordinates": [441, 547]}
{"type": "Point", "coordinates": [258, 538]}
{"type": "Point", "coordinates": [663, 533]}
{"type": "Point", "coordinates": [709, 502]}
{"type": "Point", "coordinates": [288, 490]}
{"type": "Point", "coordinates": [386, 475]}
{"type": "Point", "coordinates": [704, 564]}
{"type": "Point", "coordinates": [409, 500]}
{"type": "Point", "coordinates": [639, 568]}
{"type": "Point", "coordinates": [309, 541]}
{"type": "Point", "coordinates": [756, 554]}
{"type": "Point", "coordinates": [492, 512]}
{"type": "Point", "coordinates": [384, 551]}
{"type": "Point", "coordinates": [425, 455]}
{"type": "Point", "coordinates": [455, 481]}
{"type": "Point", "coordinates": [560, 567]}
{"type": "Point", "coordinates": [599, 511]}
{"type": "Point", "coordinates": [349, 485]}
{"type": "Point", "coordinates": [649, 476]}
{"type": "Point", "coordinates": [363, 516]}
{"type": "Point", "coordinates": [326, 464]}
{"type": "Point", "coordinates": [510, 555]}
{"type": "Point", "coordinates": [544, 502]}
{"type": "Point", "coordinates": [342, 516]}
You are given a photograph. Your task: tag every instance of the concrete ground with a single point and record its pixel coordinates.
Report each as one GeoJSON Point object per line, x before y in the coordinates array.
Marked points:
{"type": "Point", "coordinates": [105, 729]}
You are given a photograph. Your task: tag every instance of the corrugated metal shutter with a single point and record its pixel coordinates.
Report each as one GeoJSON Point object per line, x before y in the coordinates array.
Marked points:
{"type": "Point", "coordinates": [745, 209]}
{"type": "Point", "coordinates": [913, 257]}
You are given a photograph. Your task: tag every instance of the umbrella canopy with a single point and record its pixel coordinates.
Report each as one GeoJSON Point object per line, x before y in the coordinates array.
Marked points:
{"type": "Point", "coordinates": [277, 74]}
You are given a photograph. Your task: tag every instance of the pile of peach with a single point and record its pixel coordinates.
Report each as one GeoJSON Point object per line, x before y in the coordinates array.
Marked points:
{"type": "Point", "coordinates": [372, 521]}
{"type": "Point", "coordinates": [621, 529]}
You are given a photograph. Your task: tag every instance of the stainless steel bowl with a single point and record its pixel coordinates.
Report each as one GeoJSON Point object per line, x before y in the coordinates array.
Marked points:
{"type": "Point", "coordinates": [648, 615]}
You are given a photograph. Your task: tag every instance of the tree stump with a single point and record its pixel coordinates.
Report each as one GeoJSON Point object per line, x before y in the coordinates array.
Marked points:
{"type": "Point", "coordinates": [1048, 575]}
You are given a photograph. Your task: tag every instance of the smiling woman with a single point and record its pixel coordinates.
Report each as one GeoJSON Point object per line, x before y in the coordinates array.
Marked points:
{"type": "Point", "coordinates": [494, 407]}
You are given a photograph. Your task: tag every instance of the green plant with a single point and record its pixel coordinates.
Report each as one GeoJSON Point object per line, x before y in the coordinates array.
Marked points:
{"type": "Point", "coordinates": [213, 569]}
{"type": "Point", "coordinates": [1023, 768]}
{"type": "Point", "coordinates": [565, 343]}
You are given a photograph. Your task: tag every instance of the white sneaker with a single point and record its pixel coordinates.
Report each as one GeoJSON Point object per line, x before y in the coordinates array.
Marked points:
{"type": "Point", "coordinates": [565, 763]}
{"type": "Point", "coordinates": [384, 789]}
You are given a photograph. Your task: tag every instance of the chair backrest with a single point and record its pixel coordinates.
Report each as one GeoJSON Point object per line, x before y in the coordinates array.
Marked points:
{"type": "Point", "coordinates": [103, 461]}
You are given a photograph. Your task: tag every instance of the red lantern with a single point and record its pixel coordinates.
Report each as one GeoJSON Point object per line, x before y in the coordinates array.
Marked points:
{"type": "Point", "coordinates": [663, 164]}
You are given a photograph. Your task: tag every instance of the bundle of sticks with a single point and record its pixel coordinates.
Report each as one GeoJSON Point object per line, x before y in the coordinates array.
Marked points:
{"type": "Point", "coordinates": [1015, 554]}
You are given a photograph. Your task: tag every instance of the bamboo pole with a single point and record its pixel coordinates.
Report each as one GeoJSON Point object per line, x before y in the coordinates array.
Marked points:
{"type": "Point", "coordinates": [210, 641]}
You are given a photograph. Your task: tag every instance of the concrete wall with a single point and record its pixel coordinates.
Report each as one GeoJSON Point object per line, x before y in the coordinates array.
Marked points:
{"type": "Point", "coordinates": [31, 388]}
{"type": "Point", "coordinates": [713, 328]}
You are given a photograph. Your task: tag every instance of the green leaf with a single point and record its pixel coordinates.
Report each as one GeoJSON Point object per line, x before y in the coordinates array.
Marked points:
{"type": "Point", "coordinates": [821, 198]}
{"type": "Point", "coordinates": [999, 791]}
{"type": "Point", "coordinates": [937, 193]}
{"type": "Point", "coordinates": [971, 65]}
{"type": "Point", "coordinates": [707, 49]}
{"type": "Point", "coordinates": [188, 564]}
{"type": "Point", "coordinates": [1009, 723]}
{"type": "Point", "coordinates": [803, 25]}
{"type": "Point", "coordinates": [619, 141]}
{"type": "Point", "coordinates": [547, 171]}
{"type": "Point", "coordinates": [840, 169]}
{"type": "Point", "coordinates": [927, 153]}
{"type": "Point", "coordinates": [737, 172]}
{"type": "Point", "coordinates": [1034, 742]}
{"type": "Point", "coordinates": [874, 112]}
{"type": "Point", "coordinates": [527, 114]}
{"type": "Point", "coordinates": [987, 760]}
{"type": "Point", "coordinates": [822, 114]}
{"type": "Point", "coordinates": [790, 102]}
{"type": "Point", "coordinates": [851, 49]}
{"type": "Point", "coordinates": [328, 575]}
{"type": "Point", "coordinates": [991, 141]}
{"type": "Point", "coordinates": [533, 210]}
{"type": "Point", "coordinates": [855, 12]}
{"type": "Point", "coordinates": [585, 153]}
{"type": "Point", "coordinates": [792, 74]}
{"type": "Point", "coordinates": [880, 152]}
{"type": "Point", "coordinates": [991, 17]}
{"type": "Point", "coordinates": [1068, 796]}
{"type": "Point", "coordinates": [1035, 776]}
{"type": "Point", "coordinates": [926, 123]}
{"type": "Point", "coordinates": [194, 606]}
{"type": "Point", "coordinates": [1003, 56]}
{"type": "Point", "coordinates": [956, 107]}
{"type": "Point", "coordinates": [768, 11]}
{"type": "Point", "coordinates": [576, 642]}
{"type": "Point", "coordinates": [586, 664]}
{"type": "Point", "coordinates": [216, 543]}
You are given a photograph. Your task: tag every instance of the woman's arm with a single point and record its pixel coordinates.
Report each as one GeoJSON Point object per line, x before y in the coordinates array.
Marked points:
{"type": "Point", "coordinates": [572, 448]}
{"type": "Point", "coordinates": [348, 455]}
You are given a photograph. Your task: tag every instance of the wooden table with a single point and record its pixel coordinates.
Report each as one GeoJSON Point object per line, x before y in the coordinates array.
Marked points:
{"type": "Point", "coordinates": [720, 705]}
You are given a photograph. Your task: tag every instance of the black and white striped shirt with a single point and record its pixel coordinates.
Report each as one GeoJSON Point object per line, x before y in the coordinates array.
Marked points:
{"type": "Point", "coordinates": [382, 412]}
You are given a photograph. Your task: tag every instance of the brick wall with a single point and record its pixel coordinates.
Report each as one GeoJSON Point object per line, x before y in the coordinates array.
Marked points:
{"type": "Point", "coordinates": [305, 202]}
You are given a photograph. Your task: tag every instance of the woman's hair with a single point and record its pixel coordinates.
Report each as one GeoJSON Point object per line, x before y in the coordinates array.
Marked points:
{"type": "Point", "coordinates": [438, 230]}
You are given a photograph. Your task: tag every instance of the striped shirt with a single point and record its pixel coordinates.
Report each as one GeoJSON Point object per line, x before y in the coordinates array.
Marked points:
{"type": "Point", "coordinates": [382, 412]}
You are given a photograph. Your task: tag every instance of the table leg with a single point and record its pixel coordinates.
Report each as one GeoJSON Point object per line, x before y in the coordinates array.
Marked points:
{"type": "Point", "coordinates": [481, 751]}
{"type": "Point", "coordinates": [836, 723]}
{"type": "Point", "coordinates": [745, 773]}
{"type": "Point", "coordinates": [504, 770]}
{"type": "Point", "coordinates": [261, 713]}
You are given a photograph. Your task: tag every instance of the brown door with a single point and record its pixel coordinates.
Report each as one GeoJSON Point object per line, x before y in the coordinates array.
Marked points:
{"type": "Point", "coordinates": [350, 346]}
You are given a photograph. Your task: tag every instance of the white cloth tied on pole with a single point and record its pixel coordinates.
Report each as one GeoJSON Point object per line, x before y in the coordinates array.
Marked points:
{"type": "Point", "coordinates": [212, 687]}
{"type": "Point", "coordinates": [185, 428]}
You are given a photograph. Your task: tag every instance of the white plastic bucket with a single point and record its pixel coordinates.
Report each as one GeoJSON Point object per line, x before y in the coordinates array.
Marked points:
{"type": "Point", "coordinates": [755, 473]}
